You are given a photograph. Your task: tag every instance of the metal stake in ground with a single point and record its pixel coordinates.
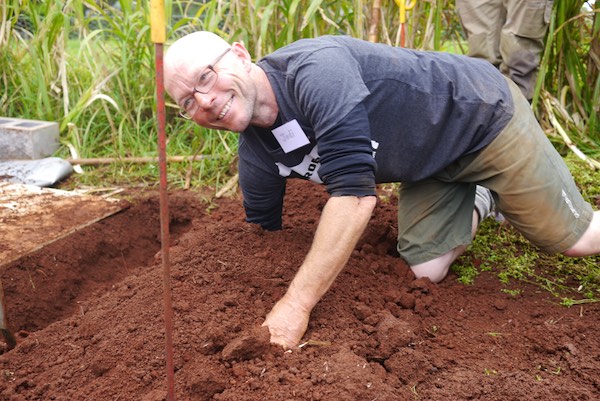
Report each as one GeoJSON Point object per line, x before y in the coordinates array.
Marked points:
{"type": "Point", "coordinates": [404, 6]}
{"type": "Point", "coordinates": [158, 33]}
{"type": "Point", "coordinates": [11, 342]}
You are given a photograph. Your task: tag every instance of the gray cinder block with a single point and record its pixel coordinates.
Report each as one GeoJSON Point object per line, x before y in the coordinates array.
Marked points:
{"type": "Point", "coordinates": [27, 139]}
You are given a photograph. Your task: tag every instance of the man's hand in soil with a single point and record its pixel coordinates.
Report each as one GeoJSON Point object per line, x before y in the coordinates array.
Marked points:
{"type": "Point", "coordinates": [342, 222]}
{"type": "Point", "coordinates": [287, 322]}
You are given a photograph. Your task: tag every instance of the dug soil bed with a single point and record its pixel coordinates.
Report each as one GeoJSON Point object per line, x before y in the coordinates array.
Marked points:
{"type": "Point", "coordinates": [88, 315]}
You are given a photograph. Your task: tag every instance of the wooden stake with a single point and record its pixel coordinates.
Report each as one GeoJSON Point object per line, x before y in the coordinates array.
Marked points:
{"type": "Point", "coordinates": [142, 159]}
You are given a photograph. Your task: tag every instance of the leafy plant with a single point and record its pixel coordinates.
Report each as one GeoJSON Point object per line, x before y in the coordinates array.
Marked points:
{"type": "Point", "coordinates": [569, 84]}
{"type": "Point", "coordinates": [89, 65]}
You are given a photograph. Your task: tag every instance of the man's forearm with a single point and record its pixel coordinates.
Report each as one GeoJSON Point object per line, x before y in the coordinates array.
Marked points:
{"type": "Point", "coordinates": [343, 221]}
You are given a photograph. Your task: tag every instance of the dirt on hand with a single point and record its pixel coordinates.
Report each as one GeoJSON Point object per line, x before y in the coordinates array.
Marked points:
{"type": "Point", "coordinates": [88, 315]}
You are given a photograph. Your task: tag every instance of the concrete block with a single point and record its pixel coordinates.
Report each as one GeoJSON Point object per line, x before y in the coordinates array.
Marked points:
{"type": "Point", "coordinates": [27, 139]}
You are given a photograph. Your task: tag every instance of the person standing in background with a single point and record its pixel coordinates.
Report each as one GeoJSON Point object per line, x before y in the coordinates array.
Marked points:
{"type": "Point", "coordinates": [509, 34]}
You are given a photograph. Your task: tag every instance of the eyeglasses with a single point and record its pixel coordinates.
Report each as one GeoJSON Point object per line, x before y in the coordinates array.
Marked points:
{"type": "Point", "coordinates": [206, 81]}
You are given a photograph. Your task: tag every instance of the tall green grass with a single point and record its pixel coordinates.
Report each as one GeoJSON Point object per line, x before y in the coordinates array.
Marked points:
{"type": "Point", "coordinates": [568, 90]}
{"type": "Point", "coordinates": [90, 66]}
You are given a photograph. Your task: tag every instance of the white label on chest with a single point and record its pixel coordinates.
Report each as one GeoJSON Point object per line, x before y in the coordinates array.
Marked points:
{"type": "Point", "coordinates": [290, 136]}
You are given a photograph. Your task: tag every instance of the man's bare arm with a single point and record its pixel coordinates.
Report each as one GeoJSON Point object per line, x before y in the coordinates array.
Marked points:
{"type": "Point", "coordinates": [343, 221]}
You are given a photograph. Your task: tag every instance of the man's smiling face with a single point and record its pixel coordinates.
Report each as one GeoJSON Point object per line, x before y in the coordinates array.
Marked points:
{"type": "Point", "coordinates": [230, 101]}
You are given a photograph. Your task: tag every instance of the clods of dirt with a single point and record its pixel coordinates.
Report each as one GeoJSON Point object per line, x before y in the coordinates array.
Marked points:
{"type": "Point", "coordinates": [88, 314]}
{"type": "Point", "coordinates": [249, 345]}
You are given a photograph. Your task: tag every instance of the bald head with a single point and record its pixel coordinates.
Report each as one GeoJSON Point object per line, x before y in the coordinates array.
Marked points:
{"type": "Point", "coordinates": [234, 92]}
{"type": "Point", "coordinates": [189, 52]}
{"type": "Point", "coordinates": [194, 45]}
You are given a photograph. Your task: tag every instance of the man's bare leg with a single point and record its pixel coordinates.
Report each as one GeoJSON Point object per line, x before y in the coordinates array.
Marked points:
{"type": "Point", "coordinates": [437, 269]}
{"type": "Point", "coordinates": [589, 243]}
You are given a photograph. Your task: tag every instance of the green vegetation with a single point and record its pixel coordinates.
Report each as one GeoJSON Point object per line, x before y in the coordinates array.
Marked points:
{"type": "Point", "coordinates": [90, 66]}
{"type": "Point", "coordinates": [570, 75]}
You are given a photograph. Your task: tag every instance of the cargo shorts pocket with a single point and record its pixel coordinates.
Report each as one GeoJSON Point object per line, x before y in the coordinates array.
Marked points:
{"type": "Point", "coordinates": [531, 19]}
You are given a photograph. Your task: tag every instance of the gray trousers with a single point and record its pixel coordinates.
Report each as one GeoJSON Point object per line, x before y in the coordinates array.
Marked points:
{"type": "Point", "coordinates": [509, 34]}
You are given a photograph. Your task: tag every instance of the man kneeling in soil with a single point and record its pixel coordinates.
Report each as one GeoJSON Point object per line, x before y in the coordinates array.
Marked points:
{"type": "Point", "coordinates": [346, 113]}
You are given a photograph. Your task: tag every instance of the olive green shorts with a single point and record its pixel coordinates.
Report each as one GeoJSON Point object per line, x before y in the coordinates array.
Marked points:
{"type": "Point", "coordinates": [530, 183]}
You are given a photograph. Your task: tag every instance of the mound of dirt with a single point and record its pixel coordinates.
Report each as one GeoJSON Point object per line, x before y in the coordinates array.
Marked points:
{"type": "Point", "coordinates": [88, 315]}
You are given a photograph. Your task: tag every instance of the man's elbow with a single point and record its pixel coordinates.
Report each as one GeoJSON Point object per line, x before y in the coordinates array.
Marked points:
{"type": "Point", "coordinates": [367, 204]}
{"type": "Point", "coordinates": [369, 201]}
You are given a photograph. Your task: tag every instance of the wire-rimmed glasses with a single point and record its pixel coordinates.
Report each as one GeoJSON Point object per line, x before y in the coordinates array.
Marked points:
{"type": "Point", "coordinates": [206, 81]}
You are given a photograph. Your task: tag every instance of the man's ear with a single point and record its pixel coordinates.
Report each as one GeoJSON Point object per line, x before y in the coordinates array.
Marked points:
{"type": "Point", "coordinates": [240, 51]}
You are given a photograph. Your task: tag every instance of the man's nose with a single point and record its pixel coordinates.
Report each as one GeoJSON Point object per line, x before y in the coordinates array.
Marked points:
{"type": "Point", "coordinates": [204, 100]}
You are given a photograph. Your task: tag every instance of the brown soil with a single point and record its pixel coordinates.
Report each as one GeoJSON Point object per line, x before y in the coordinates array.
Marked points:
{"type": "Point", "coordinates": [88, 314]}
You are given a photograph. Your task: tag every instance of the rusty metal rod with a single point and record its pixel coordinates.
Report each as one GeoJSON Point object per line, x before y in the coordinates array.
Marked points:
{"type": "Point", "coordinates": [9, 338]}
{"type": "Point", "coordinates": [158, 35]}
{"type": "Point", "coordinates": [164, 220]}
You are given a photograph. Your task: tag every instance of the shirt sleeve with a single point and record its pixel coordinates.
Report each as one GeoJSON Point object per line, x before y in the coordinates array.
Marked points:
{"type": "Point", "coordinates": [262, 187]}
{"type": "Point", "coordinates": [331, 93]}
{"type": "Point", "coordinates": [347, 160]}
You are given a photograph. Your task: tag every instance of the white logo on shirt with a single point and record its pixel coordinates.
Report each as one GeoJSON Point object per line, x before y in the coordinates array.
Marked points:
{"type": "Point", "coordinates": [307, 168]}
{"type": "Point", "coordinates": [375, 146]}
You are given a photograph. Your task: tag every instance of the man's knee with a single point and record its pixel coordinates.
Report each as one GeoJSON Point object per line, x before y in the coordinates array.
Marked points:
{"type": "Point", "coordinates": [436, 274]}
{"type": "Point", "coordinates": [589, 243]}
{"type": "Point", "coordinates": [437, 269]}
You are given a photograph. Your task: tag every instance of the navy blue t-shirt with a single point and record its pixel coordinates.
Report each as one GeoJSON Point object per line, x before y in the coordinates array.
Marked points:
{"type": "Point", "coordinates": [372, 113]}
